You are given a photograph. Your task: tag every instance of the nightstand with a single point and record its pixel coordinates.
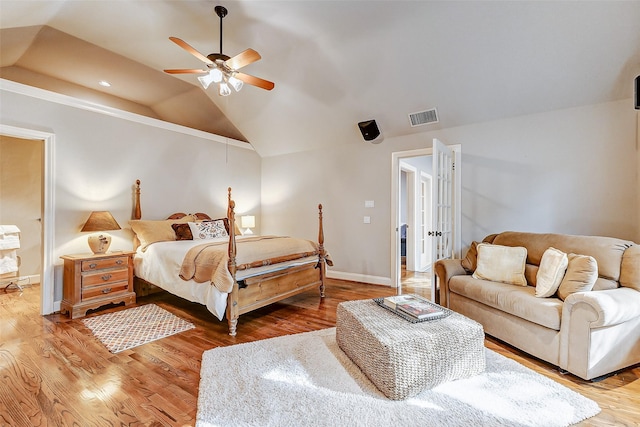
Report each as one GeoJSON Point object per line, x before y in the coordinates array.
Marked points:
{"type": "Point", "coordinates": [93, 280]}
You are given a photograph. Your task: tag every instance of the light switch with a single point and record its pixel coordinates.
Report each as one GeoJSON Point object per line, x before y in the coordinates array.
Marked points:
{"type": "Point", "coordinates": [367, 220]}
{"type": "Point", "coordinates": [369, 204]}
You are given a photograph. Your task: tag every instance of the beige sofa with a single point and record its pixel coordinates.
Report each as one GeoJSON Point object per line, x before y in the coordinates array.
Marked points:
{"type": "Point", "coordinates": [589, 334]}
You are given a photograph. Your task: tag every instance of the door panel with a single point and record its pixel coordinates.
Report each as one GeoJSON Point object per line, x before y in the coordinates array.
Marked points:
{"type": "Point", "coordinates": [442, 210]}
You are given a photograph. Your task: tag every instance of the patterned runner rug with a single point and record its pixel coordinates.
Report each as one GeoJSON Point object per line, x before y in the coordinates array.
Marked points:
{"type": "Point", "coordinates": [133, 327]}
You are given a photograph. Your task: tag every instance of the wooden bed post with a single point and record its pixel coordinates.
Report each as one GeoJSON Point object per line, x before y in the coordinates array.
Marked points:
{"type": "Point", "coordinates": [137, 212]}
{"type": "Point", "coordinates": [232, 298]}
{"type": "Point", "coordinates": [321, 252]}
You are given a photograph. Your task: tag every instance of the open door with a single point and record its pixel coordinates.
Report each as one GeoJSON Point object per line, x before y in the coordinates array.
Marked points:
{"type": "Point", "coordinates": [442, 208]}
{"type": "Point", "coordinates": [443, 221]}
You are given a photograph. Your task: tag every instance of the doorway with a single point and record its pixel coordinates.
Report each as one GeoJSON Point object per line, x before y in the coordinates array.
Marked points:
{"type": "Point", "coordinates": [439, 230]}
{"type": "Point", "coordinates": [45, 220]}
{"type": "Point", "coordinates": [415, 221]}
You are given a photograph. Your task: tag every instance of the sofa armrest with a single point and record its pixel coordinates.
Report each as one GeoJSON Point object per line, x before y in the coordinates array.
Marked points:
{"type": "Point", "coordinates": [600, 331]}
{"type": "Point", "coordinates": [606, 308]}
{"type": "Point", "coordinates": [445, 269]}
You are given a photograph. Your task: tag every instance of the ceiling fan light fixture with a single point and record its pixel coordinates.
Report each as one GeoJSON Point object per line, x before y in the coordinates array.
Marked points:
{"type": "Point", "coordinates": [214, 76]}
{"type": "Point", "coordinates": [224, 90]}
{"type": "Point", "coordinates": [236, 83]}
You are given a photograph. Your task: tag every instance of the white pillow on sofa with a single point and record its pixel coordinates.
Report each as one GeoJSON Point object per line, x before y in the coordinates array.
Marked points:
{"type": "Point", "coordinates": [553, 265]}
{"type": "Point", "coordinates": [503, 264]}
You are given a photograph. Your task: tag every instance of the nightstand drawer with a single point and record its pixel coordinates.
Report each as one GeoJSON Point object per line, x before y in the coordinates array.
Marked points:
{"type": "Point", "coordinates": [99, 264]}
{"type": "Point", "coordinates": [103, 277]}
{"type": "Point", "coordinates": [105, 290]}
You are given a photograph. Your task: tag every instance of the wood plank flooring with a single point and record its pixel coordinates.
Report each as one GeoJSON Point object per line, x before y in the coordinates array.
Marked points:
{"type": "Point", "coordinates": [53, 372]}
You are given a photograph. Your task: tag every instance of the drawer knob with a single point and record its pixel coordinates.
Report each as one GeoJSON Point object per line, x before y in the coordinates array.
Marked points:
{"type": "Point", "coordinates": [93, 265]}
{"type": "Point", "coordinates": [106, 291]}
{"type": "Point", "coordinates": [119, 262]}
{"type": "Point", "coordinates": [106, 276]}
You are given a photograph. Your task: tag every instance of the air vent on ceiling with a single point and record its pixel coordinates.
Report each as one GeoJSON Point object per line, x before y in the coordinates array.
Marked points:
{"type": "Point", "coordinates": [423, 117]}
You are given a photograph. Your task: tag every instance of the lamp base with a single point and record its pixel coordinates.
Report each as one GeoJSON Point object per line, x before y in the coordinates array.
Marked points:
{"type": "Point", "coordinates": [99, 242]}
{"type": "Point", "coordinates": [247, 231]}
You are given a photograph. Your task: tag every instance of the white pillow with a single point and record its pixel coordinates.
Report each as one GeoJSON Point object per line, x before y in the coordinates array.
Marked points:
{"type": "Point", "coordinates": [553, 265]}
{"type": "Point", "coordinates": [503, 264]}
{"type": "Point", "coordinates": [208, 229]}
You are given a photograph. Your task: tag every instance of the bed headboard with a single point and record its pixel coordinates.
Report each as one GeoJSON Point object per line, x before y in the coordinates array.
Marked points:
{"type": "Point", "coordinates": [137, 213]}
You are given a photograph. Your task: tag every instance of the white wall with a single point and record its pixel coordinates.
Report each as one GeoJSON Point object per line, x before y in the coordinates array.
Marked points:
{"type": "Point", "coordinates": [569, 171]}
{"type": "Point", "coordinates": [99, 157]}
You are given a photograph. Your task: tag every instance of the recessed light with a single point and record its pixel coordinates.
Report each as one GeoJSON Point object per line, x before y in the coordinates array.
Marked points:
{"type": "Point", "coordinates": [104, 83]}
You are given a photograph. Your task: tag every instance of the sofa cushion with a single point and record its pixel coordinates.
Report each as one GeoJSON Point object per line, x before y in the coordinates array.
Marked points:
{"type": "Point", "coordinates": [582, 272]}
{"type": "Point", "coordinates": [516, 300]}
{"type": "Point", "coordinates": [552, 268]}
{"type": "Point", "coordinates": [630, 269]}
{"type": "Point", "coordinates": [531, 274]}
{"type": "Point", "coordinates": [501, 264]}
{"type": "Point", "coordinates": [606, 250]}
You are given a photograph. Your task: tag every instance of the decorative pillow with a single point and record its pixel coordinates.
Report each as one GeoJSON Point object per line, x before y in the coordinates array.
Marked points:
{"type": "Point", "coordinates": [501, 264]}
{"type": "Point", "coordinates": [470, 261]}
{"type": "Point", "coordinates": [183, 231]}
{"type": "Point", "coordinates": [208, 229]}
{"type": "Point", "coordinates": [149, 232]}
{"type": "Point", "coordinates": [552, 268]}
{"type": "Point", "coordinates": [581, 276]}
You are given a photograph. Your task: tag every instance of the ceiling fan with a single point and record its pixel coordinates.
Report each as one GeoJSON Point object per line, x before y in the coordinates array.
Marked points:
{"type": "Point", "coordinates": [222, 69]}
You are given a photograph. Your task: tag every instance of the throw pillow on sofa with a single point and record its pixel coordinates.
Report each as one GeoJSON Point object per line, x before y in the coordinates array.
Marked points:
{"type": "Point", "coordinates": [581, 275]}
{"type": "Point", "coordinates": [553, 266]}
{"type": "Point", "coordinates": [503, 264]}
{"type": "Point", "coordinates": [469, 262]}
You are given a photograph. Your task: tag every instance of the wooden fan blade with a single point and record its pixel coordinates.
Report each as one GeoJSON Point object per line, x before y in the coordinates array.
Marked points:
{"type": "Point", "coordinates": [187, 71]}
{"type": "Point", "coordinates": [255, 81]}
{"type": "Point", "coordinates": [191, 50]}
{"type": "Point", "coordinates": [243, 59]}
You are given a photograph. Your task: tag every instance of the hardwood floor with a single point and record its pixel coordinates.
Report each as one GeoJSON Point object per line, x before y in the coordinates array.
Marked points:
{"type": "Point", "coordinates": [53, 372]}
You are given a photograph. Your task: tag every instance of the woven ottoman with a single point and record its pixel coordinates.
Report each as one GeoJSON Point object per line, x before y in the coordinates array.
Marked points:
{"type": "Point", "coordinates": [403, 358]}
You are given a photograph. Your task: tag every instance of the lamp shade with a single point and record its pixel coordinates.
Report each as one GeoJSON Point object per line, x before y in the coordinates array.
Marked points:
{"type": "Point", "coordinates": [98, 222]}
{"type": "Point", "coordinates": [101, 221]}
{"type": "Point", "coordinates": [248, 221]}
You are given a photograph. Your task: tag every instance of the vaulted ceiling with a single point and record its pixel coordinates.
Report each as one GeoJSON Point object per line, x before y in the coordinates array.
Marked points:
{"type": "Point", "coordinates": [334, 63]}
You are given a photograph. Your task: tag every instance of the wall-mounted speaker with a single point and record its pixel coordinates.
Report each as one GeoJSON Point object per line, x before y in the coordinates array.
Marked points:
{"type": "Point", "coordinates": [369, 130]}
{"type": "Point", "coordinates": [637, 97]}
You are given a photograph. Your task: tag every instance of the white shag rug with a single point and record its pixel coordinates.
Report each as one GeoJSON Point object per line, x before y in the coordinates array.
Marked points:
{"type": "Point", "coordinates": [306, 380]}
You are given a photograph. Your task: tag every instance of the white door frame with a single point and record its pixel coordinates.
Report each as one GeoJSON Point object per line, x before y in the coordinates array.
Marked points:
{"type": "Point", "coordinates": [48, 217]}
{"type": "Point", "coordinates": [425, 263]}
{"type": "Point", "coordinates": [412, 174]}
{"type": "Point", "coordinates": [395, 202]}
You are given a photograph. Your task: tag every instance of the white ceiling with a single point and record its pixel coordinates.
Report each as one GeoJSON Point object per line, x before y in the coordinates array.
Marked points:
{"type": "Point", "coordinates": [336, 63]}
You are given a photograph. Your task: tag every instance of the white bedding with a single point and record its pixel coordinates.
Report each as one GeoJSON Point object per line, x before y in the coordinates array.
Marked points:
{"type": "Point", "coordinates": [160, 264]}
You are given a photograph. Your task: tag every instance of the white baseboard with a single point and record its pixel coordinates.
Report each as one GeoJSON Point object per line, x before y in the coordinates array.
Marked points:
{"type": "Point", "coordinates": [355, 277]}
{"type": "Point", "coordinates": [22, 280]}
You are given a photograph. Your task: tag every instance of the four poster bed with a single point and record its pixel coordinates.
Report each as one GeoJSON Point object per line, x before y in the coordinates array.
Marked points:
{"type": "Point", "coordinates": [205, 260]}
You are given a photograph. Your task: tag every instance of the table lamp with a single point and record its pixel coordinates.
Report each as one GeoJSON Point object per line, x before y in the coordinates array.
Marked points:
{"type": "Point", "coordinates": [99, 222]}
{"type": "Point", "coordinates": [248, 222]}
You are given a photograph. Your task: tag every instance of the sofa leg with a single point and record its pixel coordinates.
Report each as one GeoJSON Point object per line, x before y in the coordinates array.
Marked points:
{"type": "Point", "coordinates": [601, 377]}
{"type": "Point", "coordinates": [593, 380]}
